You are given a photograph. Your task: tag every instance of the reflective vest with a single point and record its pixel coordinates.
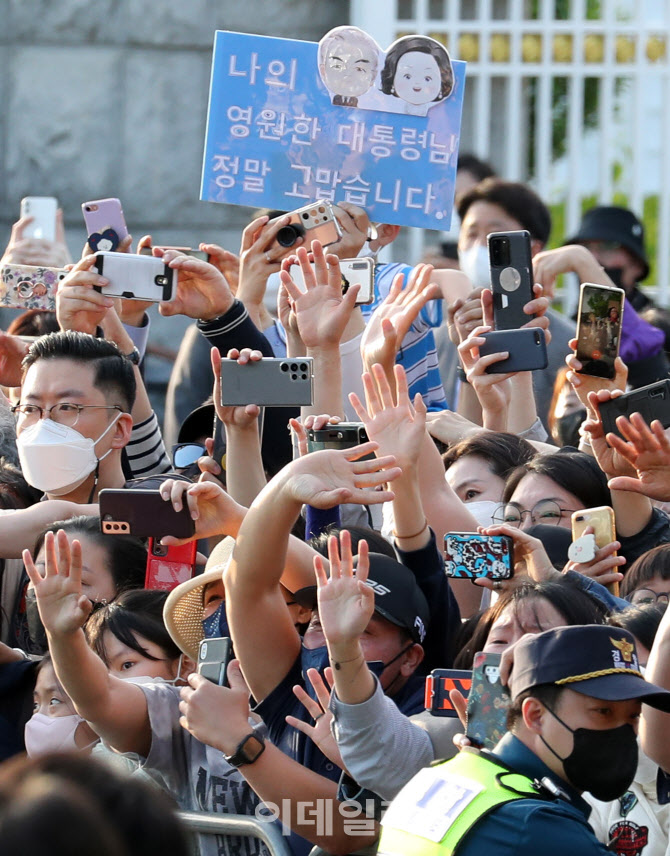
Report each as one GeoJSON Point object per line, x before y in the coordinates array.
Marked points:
{"type": "Point", "coordinates": [433, 813]}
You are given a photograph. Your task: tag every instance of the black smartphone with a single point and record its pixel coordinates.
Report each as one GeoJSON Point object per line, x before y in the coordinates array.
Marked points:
{"type": "Point", "coordinates": [341, 436]}
{"type": "Point", "coordinates": [469, 556]}
{"type": "Point", "coordinates": [511, 277]}
{"type": "Point", "coordinates": [438, 685]}
{"type": "Point", "coordinates": [527, 350]}
{"type": "Point", "coordinates": [651, 402]}
{"type": "Point", "coordinates": [599, 328]}
{"type": "Point", "coordinates": [143, 513]}
{"type": "Point", "coordinates": [270, 382]}
{"type": "Point", "coordinates": [488, 703]}
{"type": "Point", "coordinates": [214, 655]}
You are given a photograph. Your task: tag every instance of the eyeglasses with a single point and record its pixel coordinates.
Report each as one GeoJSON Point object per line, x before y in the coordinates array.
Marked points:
{"type": "Point", "coordinates": [643, 595]}
{"type": "Point", "coordinates": [186, 454]}
{"type": "Point", "coordinates": [64, 413]}
{"type": "Point", "coordinates": [547, 512]}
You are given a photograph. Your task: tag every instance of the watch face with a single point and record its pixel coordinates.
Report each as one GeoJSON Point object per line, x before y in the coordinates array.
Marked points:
{"type": "Point", "coordinates": [252, 748]}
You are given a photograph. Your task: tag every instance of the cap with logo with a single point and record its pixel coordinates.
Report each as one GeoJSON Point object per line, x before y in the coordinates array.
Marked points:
{"type": "Point", "coordinates": [398, 597]}
{"type": "Point", "coordinates": [595, 660]}
{"type": "Point", "coordinates": [619, 225]}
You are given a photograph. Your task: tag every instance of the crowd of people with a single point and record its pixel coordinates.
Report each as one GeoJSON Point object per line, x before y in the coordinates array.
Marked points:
{"type": "Point", "coordinates": [325, 568]}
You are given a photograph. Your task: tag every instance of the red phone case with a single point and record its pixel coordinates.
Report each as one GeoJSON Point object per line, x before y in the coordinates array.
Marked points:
{"type": "Point", "coordinates": [175, 566]}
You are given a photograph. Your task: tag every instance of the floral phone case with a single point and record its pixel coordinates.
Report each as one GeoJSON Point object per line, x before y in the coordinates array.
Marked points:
{"type": "Point", "coordinates": [488, 702]}
{"type": "Point", "coordinates": [29, 287]}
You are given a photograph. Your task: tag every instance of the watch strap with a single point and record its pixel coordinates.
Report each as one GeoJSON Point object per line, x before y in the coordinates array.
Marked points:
{"type": "Point", "coordinates": [241, 756]}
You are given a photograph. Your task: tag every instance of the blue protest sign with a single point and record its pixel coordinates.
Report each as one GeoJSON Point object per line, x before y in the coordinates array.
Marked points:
{"type": "Point", "coordinates": [281, 137]}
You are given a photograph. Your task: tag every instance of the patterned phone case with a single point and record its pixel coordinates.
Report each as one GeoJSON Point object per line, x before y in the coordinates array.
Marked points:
{"type": "Point", "coordinates": [468, 556]}
{"type": "Point", "coordinates": [488, 702]}
{"type": "Point", "coordinates": [28, 287]}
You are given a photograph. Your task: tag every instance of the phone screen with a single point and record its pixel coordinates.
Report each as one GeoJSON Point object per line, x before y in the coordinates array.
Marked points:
{"type": "Point", "coordinates": [599, 329]}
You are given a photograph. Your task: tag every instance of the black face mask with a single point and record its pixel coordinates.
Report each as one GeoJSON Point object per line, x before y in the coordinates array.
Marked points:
{"type": "Point", "coordinates": [615, 274]}
{"type": "Point", "coordinates": [567, 428]}
{"type": "Point", "coordinates": [603, 763]}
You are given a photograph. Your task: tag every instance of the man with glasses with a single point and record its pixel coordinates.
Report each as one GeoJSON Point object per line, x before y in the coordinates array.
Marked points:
{"type": "Point", "coordinates": [73, 419]}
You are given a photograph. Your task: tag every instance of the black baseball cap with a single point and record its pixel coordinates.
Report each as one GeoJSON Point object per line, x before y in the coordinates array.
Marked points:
{"type": "Point", "coordinates": [611, 223]}
{"type": "Point", "coordinates": [595, 660]}
{"type": "Point", "coordinates": [398, 597]}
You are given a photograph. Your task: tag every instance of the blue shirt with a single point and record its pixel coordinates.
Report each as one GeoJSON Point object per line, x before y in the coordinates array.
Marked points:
{"type": "Point", "coordinates": [417, 355]}
{"type": "Point", "coordinates": [533, 827]}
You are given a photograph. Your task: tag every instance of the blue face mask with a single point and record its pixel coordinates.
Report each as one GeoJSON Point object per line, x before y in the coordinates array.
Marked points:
{"type": "Point", "coordinates": [313, 658]}
{"type": "Point", "coordinates": [216, 625]}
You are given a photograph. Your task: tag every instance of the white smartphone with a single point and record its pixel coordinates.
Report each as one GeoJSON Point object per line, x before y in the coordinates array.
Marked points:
{"type": "Point", "coordinates": [354, 272]}
{"type": "Point", "coordinates": [136, 277]}
{"type": "Point", "coordinates": [43, 211]}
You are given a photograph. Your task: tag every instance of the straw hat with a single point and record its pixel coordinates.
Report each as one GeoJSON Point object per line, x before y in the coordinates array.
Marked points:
{"type": "Point", "coordinates": [183, 608]}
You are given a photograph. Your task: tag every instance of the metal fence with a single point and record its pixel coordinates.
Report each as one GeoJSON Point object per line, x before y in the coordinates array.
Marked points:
{"type": "Point", "coordinates": [238, 825]}
{"type": "Point", "coordinates": [572, 96]}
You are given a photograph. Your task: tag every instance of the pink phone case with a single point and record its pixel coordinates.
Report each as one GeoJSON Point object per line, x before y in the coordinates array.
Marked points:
{"type": "Point", "coordinates": [29, 287]}
{"type": "Point", "coordinates": [105, 223]}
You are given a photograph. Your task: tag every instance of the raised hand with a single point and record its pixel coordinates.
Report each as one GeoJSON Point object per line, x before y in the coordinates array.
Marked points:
{"type": "Point", "coordinates": [225, 261]}
{"type": "Point", "coordinates": [537, 307]}
{"type": "Point", "coordinates": [346, 602]}
{"type": "Point", "coordinates": [494, 390]}
{"type": "Point", "coordinates": [335, 476]}
{"type": "Point", "coordinates": [647, 450]}
{"type": "Point", "coordinates": [62, 606]}
{"type": "Point", "coordinates": [316, 423]}
{"type": "Point", "coordinates": [392, 319]}
{"type": "Point", "coordinates": [295, 347]}
{"type": "Point", "coordinates": [398, 428]}
{"type": "Point", "coordinates": [322, 312]}
{"type": "Point", "coordinates": [36, 251]}
{"type": "Point", "coordinates": [319, 732]}
{"type": "Point", "coordinates": [202, 290]}
{"type": "Point", "coordinates": [609, 458]}
{"type": "Point", "coordinates": [12, 351]}
{"type": "Point", "coordinates": [245, 416]}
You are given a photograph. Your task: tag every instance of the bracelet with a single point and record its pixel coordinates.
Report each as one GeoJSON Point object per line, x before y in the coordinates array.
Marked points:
{"type": "Point", "coordinates": [461, 375]}
{"type": "Point", "coordinates": [337, 664]}
{"type": "Point", "coordinates": [415, 535]}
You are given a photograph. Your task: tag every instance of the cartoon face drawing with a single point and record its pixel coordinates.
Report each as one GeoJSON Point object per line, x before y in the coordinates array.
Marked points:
{"type": "Point", "coordinates": [417, 78]}
{"type": "Point", "coordinates": [417, 71]}
{"type": "Point", "coordinates": [492, 674]}
{"type": "Point", "coordinates": [348, 60]}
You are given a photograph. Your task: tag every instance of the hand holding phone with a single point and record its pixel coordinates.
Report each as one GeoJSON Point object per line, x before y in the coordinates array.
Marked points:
{"type": "Point", "coordinates": [214, 655]}
{"type": "Point", "coordinates": [469, 556]}
{"type": "Point", "coordinates": [314, 222]}
{"type": "Point", "coordinates": [270, 382]}
{"type": "Point", "coordinates": [527, 349]}
{"type": "Point", "coordinates": [598, 334]}
{"type": "Point", "coordinates": [30, 287]}
{"type": "Point", "coordinates": [143, 513]}
{"type": "Point", "coordinates": [105, 224]}
{"type": "Point", "coordinates": [135, 277]}
{"type": "Point", "coordinates": [43, 210]}
{"type": "Point", "coordinates": [511, 277]}
{"type": "Point", "coordinates": [488, 703]}
{"type": "Point", "coordinates": [353, 271]}
{"type": "Point", "coordinates": [168, 567]}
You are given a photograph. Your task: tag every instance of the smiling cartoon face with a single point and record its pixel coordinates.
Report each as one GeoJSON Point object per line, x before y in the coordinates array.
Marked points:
{"type": "Point", "coordinates": [417, 79]}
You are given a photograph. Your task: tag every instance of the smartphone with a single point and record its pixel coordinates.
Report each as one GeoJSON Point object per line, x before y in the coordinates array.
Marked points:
{"type": "Point", "coordinates": [599, 328]}
{"type": "Point", "coordinates": [143, 513]}
{"type": "Point", "coordinates": [651, 402]}
{"type": "Point", "coordinates": [527, 350]}
{"type": "Point", "coordinates": [187, 251]}
{"type": "Point", "coordinates": [105, 224]}
{"type": "Point", "coordinates": [344, 435]}
{"type": "Point", "coordinates": [135, 277]}
{"type": "Point", "coordinates": [219, 453]}
{"type": "Point", "coordinates": [511, 277]}
{"type": "Point", "coordinates": [469, 556]}
{"type": "Point", "coordinates": [438, 684]}
{"type": "Point", "coordinates": [602, 521]}
{"type": "Point", "coordinates": [488, 702]}
{"type": "Point", "coordinates": [43, 211]}
{"type": "Point", "coordinates": [315, 222]}
{"type": "Point", "coordinates": [354, 272]}
{"type": "Point", "coordinates": [214, 655]}
{"type": "Point", "coordinates": [270, 382]}
{"type": "Point", "coordinates": [28, 287]}
{"type": "Point", "coordinates": [168, 567]}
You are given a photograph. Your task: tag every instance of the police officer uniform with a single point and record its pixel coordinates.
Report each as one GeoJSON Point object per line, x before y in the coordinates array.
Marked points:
{"type": "Point", "coordinates": [509, 801]}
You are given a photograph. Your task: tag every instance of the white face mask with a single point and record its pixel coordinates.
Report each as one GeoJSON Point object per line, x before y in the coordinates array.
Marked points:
{"type": "Point", "coordinates": [44, 734]}
{"type": "Point", "coordinates": [474, 262]}
{"type": "Point", "coordinates": [55, 458]}
{"type": "Point", "coordinates": [482, 511]}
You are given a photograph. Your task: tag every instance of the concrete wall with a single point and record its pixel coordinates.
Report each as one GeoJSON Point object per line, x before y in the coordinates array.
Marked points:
{"type": "Point", "coordinates": [109, 98]}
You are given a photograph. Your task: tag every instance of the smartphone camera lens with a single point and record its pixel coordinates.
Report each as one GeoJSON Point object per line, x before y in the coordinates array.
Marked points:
{"type": "Point", "coordinates": [294, 367]}
{"type": "Point", "coordinates": [284, 367]}
{"type": "Point", "coordinates": [161, 280]}
{"type": "Point", "coordinates": [303, 367]}
{"type": "Point", "coordinates": [288, 235]}
{"type": "Point", "coordinates": [500, 254]}
{"type": "Point", "coordinates": [294, 377]}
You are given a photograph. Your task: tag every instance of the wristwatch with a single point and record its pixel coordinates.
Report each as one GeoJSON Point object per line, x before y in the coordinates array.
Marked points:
{"type": "Point", "coordinates": [134, 356]}
{"type": "Point", "coordinates": [248, 750]}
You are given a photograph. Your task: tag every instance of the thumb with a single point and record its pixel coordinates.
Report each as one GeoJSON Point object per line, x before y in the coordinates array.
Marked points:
{"type": "Point", "coordinates": [235, 677]}
{"type": "Point", "coordinates": [626, 483]}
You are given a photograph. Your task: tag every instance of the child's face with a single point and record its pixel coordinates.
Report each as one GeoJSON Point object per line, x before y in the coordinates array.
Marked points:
{"type": "Point", "coordinates": [49, 697]}
{"type": "Point", "coordinates": [417, 78]}
{"type": "Point", "coordinates": [125, 662]}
